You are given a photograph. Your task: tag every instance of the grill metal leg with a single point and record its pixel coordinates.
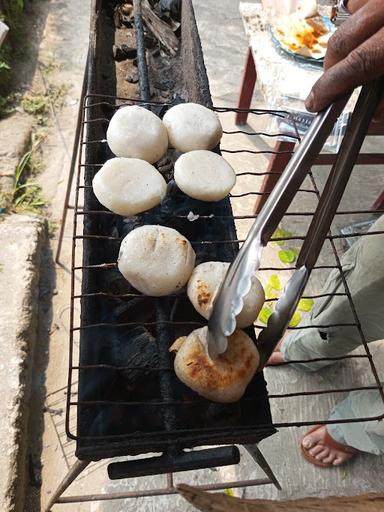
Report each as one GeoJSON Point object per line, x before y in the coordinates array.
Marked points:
{"type": "Point", "coordinates": [258, 457]}
{"type": "Point", "coordinates": [73, 163]}
{"type": "Point", "coordinates": [73, 473]}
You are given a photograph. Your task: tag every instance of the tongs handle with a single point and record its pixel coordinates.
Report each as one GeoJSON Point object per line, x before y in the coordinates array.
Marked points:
{"type": "Point", "coordinates": [237, 282]}
{"type": "Point", "coordinates": [297, 169]}
{"type": "Point", "coordinates": [356, 132]}
{"type": "Point", "coordinates": [366, 106]}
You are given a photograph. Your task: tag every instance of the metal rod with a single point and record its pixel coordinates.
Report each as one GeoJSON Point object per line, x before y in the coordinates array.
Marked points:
{"type": "Point", "coordinates": [169, 480]}
{"type": "Point", "coordinates": [171, 403]}
{"type": "Point", "coordinates": [73, 473]}
{"type": "Point", "coordinates": [161, 492]}
{"type": "Point", "coordinates": [142, 67]}
{"type": "Point", "coordinates": [73, 162]}
{"type": "Point", "coordinates": [211, 433]}
{"type": "Point", "coordinates": [259, 458]}
{"type": "Point", "coordinates": [198, 324]}
{"type": "Point", "coordinates": [237, 240]}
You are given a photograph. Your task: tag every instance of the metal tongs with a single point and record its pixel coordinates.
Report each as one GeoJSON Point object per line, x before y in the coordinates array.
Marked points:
{"type": "Point", "coordinates": [237, 283]}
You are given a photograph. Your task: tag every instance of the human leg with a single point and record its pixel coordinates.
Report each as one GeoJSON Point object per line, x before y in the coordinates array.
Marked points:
{"type": "Point", "coordinates": [363, 267]}
{"type": "Point", "coordinates": [335, 444]}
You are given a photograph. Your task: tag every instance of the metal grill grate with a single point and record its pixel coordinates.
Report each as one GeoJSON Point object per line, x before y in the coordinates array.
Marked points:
{"type": "Point", "coordinates": [248, 427]}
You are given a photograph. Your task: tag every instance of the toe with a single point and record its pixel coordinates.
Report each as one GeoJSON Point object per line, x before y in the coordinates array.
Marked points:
{"type": "Point", "coordinates": [316, 450]}
{"type": "Point", "coordinates": [337, 461]}
{"type": "Point", "coordinates": [321, 455]}
{"type": "Point", "coordinates": [307, 442]}
{"type": "Point", "coordinates": [330, 458]}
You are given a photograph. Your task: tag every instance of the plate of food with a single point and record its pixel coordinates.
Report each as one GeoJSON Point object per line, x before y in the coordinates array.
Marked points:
{"type": "Point", "coordinates": [303, 38]}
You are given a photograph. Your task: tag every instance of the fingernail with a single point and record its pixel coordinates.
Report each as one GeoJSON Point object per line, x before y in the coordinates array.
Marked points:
{"type": "Point", "coordinates": [307, 444]}
{"type": "Point", "coordinates": [310, 102]}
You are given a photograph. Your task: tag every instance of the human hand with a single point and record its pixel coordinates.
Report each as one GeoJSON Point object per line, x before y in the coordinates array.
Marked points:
{"type": "Point", "coordinates": [355, 54]}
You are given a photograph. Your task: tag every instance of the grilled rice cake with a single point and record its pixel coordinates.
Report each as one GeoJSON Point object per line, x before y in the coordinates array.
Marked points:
{"type": "Point", "coordinates": [223, 379]}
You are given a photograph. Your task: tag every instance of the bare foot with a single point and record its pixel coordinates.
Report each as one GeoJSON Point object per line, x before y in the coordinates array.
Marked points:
{"type": "Point", "coordinates": [276, 357]}
{"type": "Point", "coordinates": [319, 446]}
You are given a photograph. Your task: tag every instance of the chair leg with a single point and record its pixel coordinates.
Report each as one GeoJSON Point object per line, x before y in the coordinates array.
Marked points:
{"type": "Point", "coordinates": [379, 203]}
{"type": "Point", "coordinates": [277, 164]}
{"type": "Point", "coordinates": [247, 88]}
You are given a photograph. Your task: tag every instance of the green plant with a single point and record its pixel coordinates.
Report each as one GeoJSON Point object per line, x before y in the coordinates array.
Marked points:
{"type": "Point", "coordinates": [34, 104]}
{"type": "Point", "coordinates": [11, 12]}
{"type": "Point", "coordinates": [27, 194]}
{"type": "Point", "coordinates": [39, 104]}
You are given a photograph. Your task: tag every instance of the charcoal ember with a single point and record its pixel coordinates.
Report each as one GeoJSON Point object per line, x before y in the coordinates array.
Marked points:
{"type": "Point", "coordinates": [165, 85]}
{"type": "Point", "coordinates": [165, 166]}
{"type": "Point", "coordinates": [155, 52]}
{"type": "Point", "coordinates": [132, 76]}
{"type": "Point", "coordinates": [130, 52]}
{"type": "Point", "coordinates": [127, 8]}
{"type": "Point", "coordinates": [117, 18]}
{"type": "Point", "coordinates": [140, 352]}
{"type": "Point", "coordinates": [114, 283]}
{"type": "Point", "coordinates": [170, 8]}
{"type": "Point", "coordinates": [149, 41]}
{"type": "Point", "coordinates": [137, 307]}
{"type": "Point", "coordinates": [132, 347]}
{"type": "Point", "coordinates": [125, 20]}
{"type": "Point", "coordinates": [124, 52]}
{"type": "Point", "coordinates": [122, 420]}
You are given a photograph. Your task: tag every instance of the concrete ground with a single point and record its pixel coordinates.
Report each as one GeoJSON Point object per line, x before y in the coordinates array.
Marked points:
{"type": "Point", "coordinates": [224, 45]}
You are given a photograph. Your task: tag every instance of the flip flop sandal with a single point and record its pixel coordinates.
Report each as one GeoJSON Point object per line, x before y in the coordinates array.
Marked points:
{"type": "Point", "coordinates": [329, 442]}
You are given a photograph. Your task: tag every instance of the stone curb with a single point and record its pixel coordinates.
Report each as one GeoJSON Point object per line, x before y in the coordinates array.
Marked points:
{"type": "Point", "coordinates": [22, 239]}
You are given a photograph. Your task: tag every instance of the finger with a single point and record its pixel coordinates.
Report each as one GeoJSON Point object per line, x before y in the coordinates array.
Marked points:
{"type": "Point", "coordinates": [362, 65]}
{"type": "Point", "coordinates": [355, 5]}
{"type": "Point", "coordinates": [354, 32]}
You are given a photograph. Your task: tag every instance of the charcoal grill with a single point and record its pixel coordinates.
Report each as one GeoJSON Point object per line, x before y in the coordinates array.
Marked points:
{"type": "Point", "coordinates": [123, 397]}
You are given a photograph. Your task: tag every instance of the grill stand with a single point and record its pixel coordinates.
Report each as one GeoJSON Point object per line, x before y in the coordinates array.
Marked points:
{"type": "Point", "coordinates": [170, 488]}
{"type": "Point", "coordinates": [172, 459]}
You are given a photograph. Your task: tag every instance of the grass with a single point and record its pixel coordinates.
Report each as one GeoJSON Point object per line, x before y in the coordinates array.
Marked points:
{"type": "Point", "coordinates": [39, 104]}
{"type": "Point", "coordinates": [27, 195]}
